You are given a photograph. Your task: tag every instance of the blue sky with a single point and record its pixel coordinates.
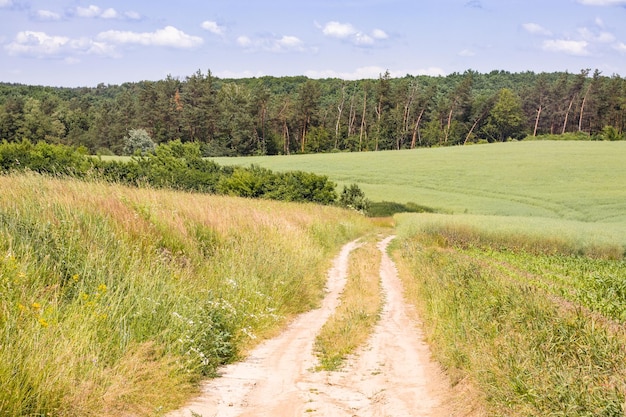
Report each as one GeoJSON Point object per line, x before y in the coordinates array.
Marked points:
{"type": "Point", "coordinates": [83, 43]}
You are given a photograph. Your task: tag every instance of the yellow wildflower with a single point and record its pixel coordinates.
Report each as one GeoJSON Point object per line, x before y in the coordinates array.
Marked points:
{"type": "Point", "coordinates": [36, 306]}
{"type": "Point", "coordinates": [75, 277]}
{"type": "Point", "coordinates": [43, 322]}
{"type": "Point", "coordinates": [102, 288]}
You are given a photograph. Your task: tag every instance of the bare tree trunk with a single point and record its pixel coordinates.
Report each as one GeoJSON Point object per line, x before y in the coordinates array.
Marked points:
{"type": "Point", "coordinates": [339, 112]}
{"type": "Point", "coordinates": [571, 103]}
{"type": "Point", "coordinates": [416, 129]}
{"type": "Point", "coordinates": [582, 109]}
{"type": "Point", "coordinates": [379, 114]}
{"type": "Point", "coordinates": [474, 127]}
{"type": "Point", "coordinates": [448, 126]}
{"type": "Point", "coordinates": [363, 121]}
{"type": "Point", "coordinates": [285, 137]}
{"type": "Point", "coordinates": [351, 117]}
{"type": "Point", "coordinates": [303, 143]}
{"type": "Point", "coordinates": [537, 119]}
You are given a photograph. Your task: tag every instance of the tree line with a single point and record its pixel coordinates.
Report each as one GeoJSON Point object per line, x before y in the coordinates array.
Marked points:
{"type": "Point", "coordinates": [284, 115]}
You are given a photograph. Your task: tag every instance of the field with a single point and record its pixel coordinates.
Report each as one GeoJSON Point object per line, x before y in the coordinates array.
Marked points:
{"type": "Point", "coordinates": [519, 276]}
{"type": "Point", "coordinates": [580, 181]}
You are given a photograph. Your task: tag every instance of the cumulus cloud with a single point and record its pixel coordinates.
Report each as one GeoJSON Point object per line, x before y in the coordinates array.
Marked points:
{"type": "Point", "coordinates": [5, 3]}
{"type": "Point", "coordinates": [603, 2]}
{"type": "Point", "coordinates": [569, 47]}
{"type": "Point", "coordinates": [620, 47]}
{"type": "Point", "coordinates": [213, 27]}
{"type": "Point", "coordinates": [271, 43]}
{"type": "Point", "coordinates": [348, 32]}
{"type": "Point", "coordinates": [168, 36]}
{"type": "Point", "coordinates": [339, 30]}
{"type": "Point", "coordinates": [93, 11]}
{"type": "Point", "coordinates": [536, 29]}
{"type": "Point", "coordinates": [600, 37]}
{"type": "Point", "coordinates": [41, 45]}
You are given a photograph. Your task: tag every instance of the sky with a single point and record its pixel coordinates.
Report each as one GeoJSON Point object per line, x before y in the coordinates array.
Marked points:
{"type": "Point", "coordinates": [75, 43]}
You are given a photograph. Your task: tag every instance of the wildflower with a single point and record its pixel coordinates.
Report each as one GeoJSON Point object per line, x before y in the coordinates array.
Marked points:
{"type": "Point", "coordinates": [75, 277]}
{"type": "Point", "coordinates": [36, 306]}
{"type": "Point", "coordinates": [43, 322]}
{"type": "Point", "coordinates": [102, 288]}
{"type": "Point", "coordinates": [21, 306]}
{"type": "Point", "coordinates": [84, 296]}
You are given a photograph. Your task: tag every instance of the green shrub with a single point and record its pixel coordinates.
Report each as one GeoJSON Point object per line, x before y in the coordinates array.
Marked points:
{"type": "Point", "coordinates": [389, 208]}
{"type": "Point", "coordinates": [354, 198]}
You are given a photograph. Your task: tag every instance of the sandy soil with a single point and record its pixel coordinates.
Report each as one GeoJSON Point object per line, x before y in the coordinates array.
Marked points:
{"type": "Point", "coordinates": [391, 376]}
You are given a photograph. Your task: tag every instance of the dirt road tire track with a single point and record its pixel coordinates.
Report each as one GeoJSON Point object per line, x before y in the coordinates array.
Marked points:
{"type": "Point", "coordinates": [391, 376]}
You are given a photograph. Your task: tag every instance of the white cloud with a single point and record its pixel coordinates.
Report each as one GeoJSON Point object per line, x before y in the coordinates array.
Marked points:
{"type": "Point", "coordinates": [132, 15]}
{"type": "Point", "coordinates": [372, 72]}
{"type": "Point", "coordinates": [467, 53]}
{"type": "Point", "coordinates": [620, 47]}
{"type": "Point", "coordinates": [93, 11]}
{"type": "Point", "coordinates": [346, 31]}
{"type": "Point", "coordinates": [379, 34]}
{"type": "Point", "coordinates": [213, 27]}
{"type": "Point", "coordinates": [5, 3]}
{"type": "Point", "coordinates": [363, 39]}
{"type": "Point", "coordinates": [536, 29]}
{"type": "Point", "coordinates": [339, 30]}
{"type": "Point", "coordinates": [109, 14]}
{"type": "Point", "coordinates": [569, 47]}
{"type": "Point", "coordinates": [602, 37]}
{"type": "Point", "coordinates": [168, 36]}
{"type": "Point", "coordinates": [603, 2]}
{"type": "Point", "coordinates": [272, 43]}
{"type": "Point", "coordinates": [47, 15]}
{"type": "Point", "coordinates": [42, 45]}
{"type": "Point", "coordinates": [244, 41]}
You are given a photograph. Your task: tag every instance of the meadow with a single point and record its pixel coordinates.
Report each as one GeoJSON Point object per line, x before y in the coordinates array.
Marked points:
{"type": "Point", "coordinates": [580, 181]}
{"type": "Point", "coordinates": [117, 300]}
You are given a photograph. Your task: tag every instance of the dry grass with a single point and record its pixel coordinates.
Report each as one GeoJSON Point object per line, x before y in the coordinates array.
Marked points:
{"type": "Point", "coordinates": [117, 301]}
{"type": "Point", "coordinates": [361, 302]}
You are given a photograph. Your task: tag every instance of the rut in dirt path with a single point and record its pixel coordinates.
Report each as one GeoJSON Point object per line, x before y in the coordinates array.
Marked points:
{"type": "Point", "coordinates": [391, 376]}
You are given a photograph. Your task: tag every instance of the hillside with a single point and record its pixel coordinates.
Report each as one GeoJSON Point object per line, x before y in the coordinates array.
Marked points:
{"type": "Point", "coordinates": [111, 296]}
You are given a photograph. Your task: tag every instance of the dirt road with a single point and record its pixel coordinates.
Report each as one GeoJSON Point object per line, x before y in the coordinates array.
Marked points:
{"type": "Point", "coordinates": [391, 376]}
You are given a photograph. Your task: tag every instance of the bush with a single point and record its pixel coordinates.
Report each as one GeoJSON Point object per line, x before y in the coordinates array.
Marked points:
{"type": "Point", "coordinates": [174, 165]}
{"type": "Point", "coordinates": [138, 141]}
{"type": "Point", "coordinates": [353, 197]}
{"type": "Point", "coordinates": [389, 208]}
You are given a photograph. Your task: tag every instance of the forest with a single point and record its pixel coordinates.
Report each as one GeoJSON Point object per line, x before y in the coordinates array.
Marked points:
{"type": "Point", "coordinates": [285, 115]}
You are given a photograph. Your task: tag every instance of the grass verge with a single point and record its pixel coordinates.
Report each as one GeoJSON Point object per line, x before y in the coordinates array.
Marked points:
{"type": "Point", "coordinates": [526, 350]}
{"type": "Point", "coordinates": [361, 303]}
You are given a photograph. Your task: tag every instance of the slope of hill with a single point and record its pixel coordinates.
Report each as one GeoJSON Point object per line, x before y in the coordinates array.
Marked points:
{"type": "Point", "coordinates": [111, 296]}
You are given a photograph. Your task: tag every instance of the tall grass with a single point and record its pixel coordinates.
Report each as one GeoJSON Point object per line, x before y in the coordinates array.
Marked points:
{"type": "Point", "coordinates": [116, 301]}
{"type": "Point", "coordinates": [514, 319]}
{"type": "Point", "coordinates": [361, 302]}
